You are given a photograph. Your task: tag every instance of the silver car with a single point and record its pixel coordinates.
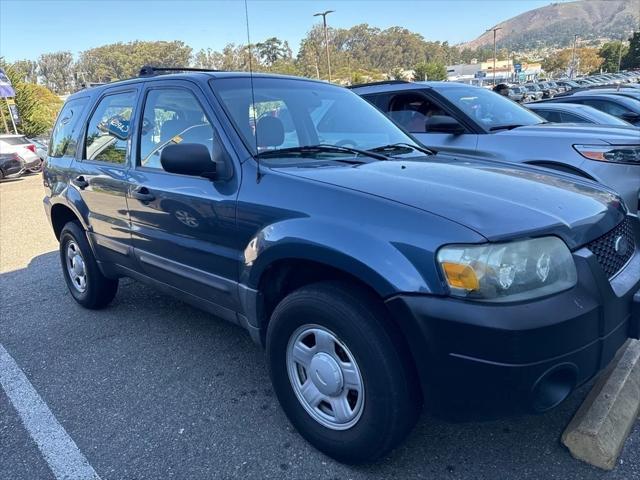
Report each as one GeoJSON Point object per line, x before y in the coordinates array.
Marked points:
{"type": "Point", "coordinates": [462, 119]}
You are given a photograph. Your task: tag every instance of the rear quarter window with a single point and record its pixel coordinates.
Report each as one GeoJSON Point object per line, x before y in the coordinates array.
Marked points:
{"type": "Point", "coordinates": [64, 139]}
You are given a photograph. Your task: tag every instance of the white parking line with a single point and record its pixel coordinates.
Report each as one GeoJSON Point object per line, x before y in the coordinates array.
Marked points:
{"type": "Point", "coordinates": [58, 449]}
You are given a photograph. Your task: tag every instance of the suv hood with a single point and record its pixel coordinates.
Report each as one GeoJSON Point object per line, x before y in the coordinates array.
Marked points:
{"type": "Point", "coordinates": [499, 201]}
{"type": "Point", "coordinates": [580, 133]}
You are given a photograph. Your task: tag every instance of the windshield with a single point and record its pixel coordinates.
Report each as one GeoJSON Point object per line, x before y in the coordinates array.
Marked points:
{"type": "Point", "coordinates": [489, 109]}
{"type": "Point", "coordinates": [291, 113]}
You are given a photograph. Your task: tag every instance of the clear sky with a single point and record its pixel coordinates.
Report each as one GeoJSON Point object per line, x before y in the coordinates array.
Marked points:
{"type": "Point", "coordinates": [29, 28]}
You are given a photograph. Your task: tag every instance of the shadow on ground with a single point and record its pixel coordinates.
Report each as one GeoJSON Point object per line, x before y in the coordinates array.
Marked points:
{"type": "Point", "coordinates": [153, 388]}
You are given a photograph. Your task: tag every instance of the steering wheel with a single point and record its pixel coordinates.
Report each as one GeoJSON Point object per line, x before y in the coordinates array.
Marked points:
{"type": "Point", "coordinates": [346, 143]}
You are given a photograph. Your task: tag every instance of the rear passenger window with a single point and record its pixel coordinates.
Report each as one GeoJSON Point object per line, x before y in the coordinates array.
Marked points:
{"type": "Point", "coordinates": [109, 127]}
{"type": "Point", "coordinates": [172, 116]}
{"type": "Point", "coordinates": [64, 138]}
{"type": "Point", "coordinates": [552, 116]}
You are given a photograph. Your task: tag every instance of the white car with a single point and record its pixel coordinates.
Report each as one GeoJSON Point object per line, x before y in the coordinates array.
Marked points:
{"type": "Point", "coordinates": [20, 145]}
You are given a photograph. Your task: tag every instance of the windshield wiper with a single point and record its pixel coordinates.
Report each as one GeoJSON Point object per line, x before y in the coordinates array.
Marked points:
{"type": "Point", "coordinates": [505, 127]}
{"type": "Point", "coordinates": [398, 146]}
{"type": "Point", "coordinates": [320, 148]}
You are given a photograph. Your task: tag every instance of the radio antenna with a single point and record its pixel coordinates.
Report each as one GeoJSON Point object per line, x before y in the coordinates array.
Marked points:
{"type": "Point", "coordinates": [253, 96]}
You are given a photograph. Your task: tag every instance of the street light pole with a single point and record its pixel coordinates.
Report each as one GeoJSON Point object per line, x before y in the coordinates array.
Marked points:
{"type": "Point", "coordinates": [620, 53]}
{"type": "Point", "coordinates": [495, 52]}
{"type": "Point", "coordinates": [573, 57]}
{"type": "Point", "coordinates": [326, 36]}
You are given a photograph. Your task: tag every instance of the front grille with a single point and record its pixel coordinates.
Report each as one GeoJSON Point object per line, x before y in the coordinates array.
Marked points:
{"type": "Point", "coordinates": [604, 248]}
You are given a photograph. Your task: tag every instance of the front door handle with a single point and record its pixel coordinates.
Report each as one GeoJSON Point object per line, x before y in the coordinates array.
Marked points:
{"type": "Point", "coordinates": [143, 194]}
{"type": "Point", "coordinates": [80, 182]}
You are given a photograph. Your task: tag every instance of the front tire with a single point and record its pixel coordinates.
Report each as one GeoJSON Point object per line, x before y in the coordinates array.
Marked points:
{"type": "Point", "coordinates": [340, 373]}
{"type": "Point", "coordinates": [88, 286]}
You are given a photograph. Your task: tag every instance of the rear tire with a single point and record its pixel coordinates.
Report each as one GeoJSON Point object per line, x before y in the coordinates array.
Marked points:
{"type": "Point", "coordinates": [88, 286]}
{"type": "Point", "coordinates": [342, 314]}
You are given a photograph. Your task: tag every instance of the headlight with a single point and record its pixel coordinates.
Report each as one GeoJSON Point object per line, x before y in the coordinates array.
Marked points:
{"type": "Point", "coordinates": [507, 272]}
{"type": "Point", "coordinates": [612, 153]}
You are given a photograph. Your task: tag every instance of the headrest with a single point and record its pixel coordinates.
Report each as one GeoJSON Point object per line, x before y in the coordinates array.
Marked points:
{"type": "Point", "coordinates": [270, 132]}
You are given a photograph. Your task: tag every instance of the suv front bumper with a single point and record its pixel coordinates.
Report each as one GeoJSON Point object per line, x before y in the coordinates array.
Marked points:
{"type": "Point", "coordinates": [496, 358]}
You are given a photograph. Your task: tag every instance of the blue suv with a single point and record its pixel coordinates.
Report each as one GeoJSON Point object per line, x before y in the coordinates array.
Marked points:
{"type": "Point", "coordinates": [377, 275]}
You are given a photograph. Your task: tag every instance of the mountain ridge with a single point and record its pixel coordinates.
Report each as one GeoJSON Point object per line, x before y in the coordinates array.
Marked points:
{"type": "Point", "coordinates": [554, 25]}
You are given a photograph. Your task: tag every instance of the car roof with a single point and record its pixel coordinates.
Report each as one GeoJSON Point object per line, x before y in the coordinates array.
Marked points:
{"type": "Point", "coordinates": [202, 76]}
{"type": "Point", "coordinates": [393, 86]}
{"type": "Point", "coordinates": [575, 107]}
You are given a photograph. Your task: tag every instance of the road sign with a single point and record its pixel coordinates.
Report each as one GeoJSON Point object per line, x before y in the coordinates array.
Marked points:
{"type": "Point", "coordinates": [480, 74]}
{"type": "Point", "coordinates": [517, 67]}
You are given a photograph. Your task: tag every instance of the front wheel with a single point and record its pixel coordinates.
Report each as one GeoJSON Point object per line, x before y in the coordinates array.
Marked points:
{"type": "Point", "coordinates": [88, 286]}
{"type": "Point", "coordinates": [338, 369]}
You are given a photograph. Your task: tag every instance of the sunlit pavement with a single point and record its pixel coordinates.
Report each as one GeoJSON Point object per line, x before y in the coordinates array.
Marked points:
{"type": "Point", "coordinates": [151, 388]}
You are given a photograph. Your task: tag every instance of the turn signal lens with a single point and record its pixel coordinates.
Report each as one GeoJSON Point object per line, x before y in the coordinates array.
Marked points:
{"type": "Point", "coordinates": [460, 276]}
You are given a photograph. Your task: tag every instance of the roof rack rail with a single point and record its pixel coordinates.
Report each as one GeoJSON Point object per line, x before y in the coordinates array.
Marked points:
{"type": "Point", "coordinates": [150, 71]}
{"type": "Point", "coordinates": [383, 82]}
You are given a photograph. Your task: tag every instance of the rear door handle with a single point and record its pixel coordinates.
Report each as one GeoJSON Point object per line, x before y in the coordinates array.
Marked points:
{"type": "Point", "coordinates": [143, 194]}
{"type": "Point", "coordinates": [80, 182]}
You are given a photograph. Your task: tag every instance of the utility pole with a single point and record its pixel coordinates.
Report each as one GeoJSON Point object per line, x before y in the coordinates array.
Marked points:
{"type": "Point", "coordinates": [573, 57]}
{"type": "Point", "coordinates": [620, 53]}
{"type": "Point", "coordinates": [495, 52]}
{"type": "Point", "coordinates": [326, 37]}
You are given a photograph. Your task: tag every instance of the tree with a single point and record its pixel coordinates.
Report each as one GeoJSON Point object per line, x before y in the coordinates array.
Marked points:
{"type": "Point", "coordinates": [208, 58]}
{"type": "Point", "coordinates": [56, 70]}
{"type": "Point", "coordinates": [558, 63]}
{"type": "Point", "coordinates": [273, 50]}
{"type": "Point", "coordinates": [610, 53]}
{"type": "Point", "coordinates": [124, 60]}
{"type": "Point", "coordinates": [429, 71]}
{"type": "Point", "coordinates": [27, 70]}
{"type": "Point", "coordinates": [632, 59]}
{"type": "Point", "coordinates": [37, 105]}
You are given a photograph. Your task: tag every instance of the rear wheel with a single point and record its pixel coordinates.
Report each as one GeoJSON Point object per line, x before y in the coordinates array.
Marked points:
{"type": "Point", "coordinates": [337, 367]}
{"type": "Point", "coordinates": [86, 283]}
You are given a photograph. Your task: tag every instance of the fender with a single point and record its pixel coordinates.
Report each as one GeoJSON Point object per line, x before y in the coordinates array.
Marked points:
{"type": "Point", "coordinates": [380, 264]}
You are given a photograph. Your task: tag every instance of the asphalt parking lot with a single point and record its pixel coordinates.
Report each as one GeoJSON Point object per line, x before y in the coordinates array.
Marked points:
{"type": "Point", "coordinates": [151, 388]}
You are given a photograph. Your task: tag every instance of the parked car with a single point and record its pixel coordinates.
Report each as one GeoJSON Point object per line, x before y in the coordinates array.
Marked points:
{"type": "Point", "coordinates": [557, 87]}
{"type": "Point", "coordinates": [547, 90]}
{"type": "Point", "coordinates": [575, 113]}
{"type": "Point", "coordinates": [20, 145]}
{"type": "Point", "coordinates": [377, 275]}
{"type": "Point", "coordinates": [620, 106]}
{"type": "Point", "coordinates": [517, 93]}
{"type": "Point", "coordinates": [11, 165]}
{"type": "Point", "coordinates": [457, 118]}
{"type": "Point", "coordinates": [568, 84]}
{"type": "Point", "coordinates": [534, 90]}
{"type": "Point", "coordinates": [41, 147]}
{"type": "Point", "coordinates": [625, 92]}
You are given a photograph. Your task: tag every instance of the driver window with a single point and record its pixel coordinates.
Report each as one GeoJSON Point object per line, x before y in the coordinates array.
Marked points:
{"type": "Point", "coordinates": [171, 116]}
{"type": "Point", "coordinates": [412, 112]}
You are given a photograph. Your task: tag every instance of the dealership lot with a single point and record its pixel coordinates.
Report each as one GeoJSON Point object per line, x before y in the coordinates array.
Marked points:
{"type": "Point", "coordinates": [153, 388]}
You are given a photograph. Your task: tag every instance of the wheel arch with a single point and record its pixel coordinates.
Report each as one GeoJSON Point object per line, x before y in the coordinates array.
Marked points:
{"type": "Point", "coordinates": [61, 214]}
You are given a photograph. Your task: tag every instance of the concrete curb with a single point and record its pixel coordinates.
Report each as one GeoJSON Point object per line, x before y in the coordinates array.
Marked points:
{"type": "Point", "coordinates": [599, 429]}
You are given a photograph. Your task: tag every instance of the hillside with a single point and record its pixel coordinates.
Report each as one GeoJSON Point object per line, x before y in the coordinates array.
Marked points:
{"type": "Point", "coordinates": [555, 24]}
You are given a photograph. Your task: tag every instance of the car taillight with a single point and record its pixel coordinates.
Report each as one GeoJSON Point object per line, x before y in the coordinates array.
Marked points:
{"type": "Point", "coordinates": [31, 147]}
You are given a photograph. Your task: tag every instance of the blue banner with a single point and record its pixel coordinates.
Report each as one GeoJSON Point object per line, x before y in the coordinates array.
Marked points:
{"type": "Point", "coordinates": [6, 90]}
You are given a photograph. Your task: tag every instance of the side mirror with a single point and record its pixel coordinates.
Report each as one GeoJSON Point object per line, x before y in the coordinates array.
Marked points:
{"type": "Point", "coordinates": [443, 124]}
{"type": "Point", "coordinates": [189, 159]}
{"type": "Point", "coordinates": [630, 117]}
